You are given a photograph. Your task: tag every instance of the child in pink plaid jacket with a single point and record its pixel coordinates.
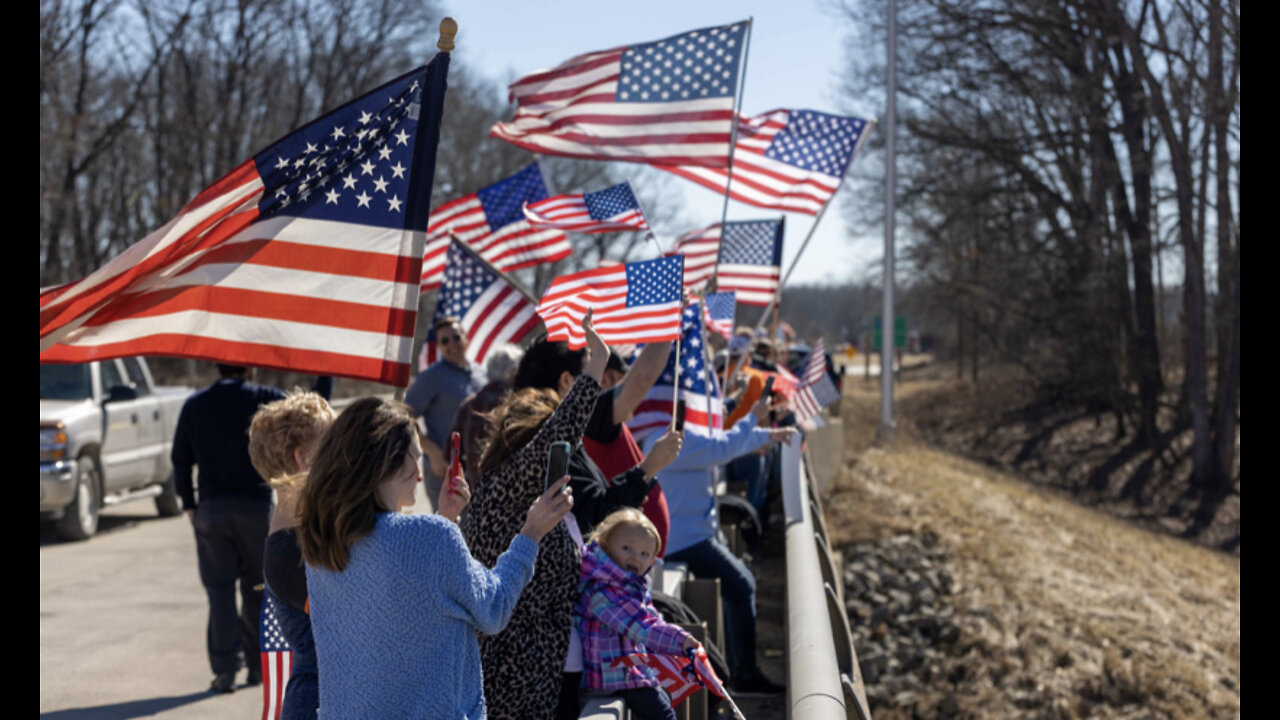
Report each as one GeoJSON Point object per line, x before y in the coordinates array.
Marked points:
{"type": "Point", "coordinates": [616, 617]}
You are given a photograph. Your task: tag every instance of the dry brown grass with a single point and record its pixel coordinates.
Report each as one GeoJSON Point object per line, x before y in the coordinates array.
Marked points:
{"type": "Point", "coordinates": [1066, 611]}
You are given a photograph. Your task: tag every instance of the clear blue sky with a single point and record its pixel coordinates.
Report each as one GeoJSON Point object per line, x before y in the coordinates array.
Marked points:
{"type": "Point", "coordinates": [795, 56]}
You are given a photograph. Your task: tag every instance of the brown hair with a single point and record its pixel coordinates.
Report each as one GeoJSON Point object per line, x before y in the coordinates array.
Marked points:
{"type": "Point", "coordinates": [513, 423]}
{"type": "Point", "coordinates": [278, 428]}
{"type": "Point", "coordinates": [339, 503]}
{"type": "Point", "coordinates": [621, 518]}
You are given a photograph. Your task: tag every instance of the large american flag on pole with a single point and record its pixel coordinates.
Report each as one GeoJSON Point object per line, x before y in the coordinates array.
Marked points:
{"type": "Point", "coordinates": [751, 260]}
{"type": "Point", "coordinates": [305, 257]}
{"type": "Point", "coordinates": [669, 101]}
{"type": "Point", "coordinates": [816, 389]}
{"type": "Point", "coordinates": [785, 159]}
{"type": "Point", "coordinates": [276, 656]}
{"type": "Point", "coordinates": [704, 407]}
{"type": "Point", "coordinates": [609, 210]}
{"type": "Point", "coordinates": [491, 221]}
{"type": "Point", "coordinates": [700, 249]}
{"type": "Point", "coordinates": [492, 311]}
{"type": "Point", "coordinates": [634, 303]}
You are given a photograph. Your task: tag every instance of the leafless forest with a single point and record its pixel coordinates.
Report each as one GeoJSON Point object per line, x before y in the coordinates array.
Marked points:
{"type": "Point", "coordinates": [1069, 177]}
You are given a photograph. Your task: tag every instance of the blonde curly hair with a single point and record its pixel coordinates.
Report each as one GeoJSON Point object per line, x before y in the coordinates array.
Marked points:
{"type": "Point", "coordinates": [622, 518]}
{"type": "Point", "coordinates": [278, 428]}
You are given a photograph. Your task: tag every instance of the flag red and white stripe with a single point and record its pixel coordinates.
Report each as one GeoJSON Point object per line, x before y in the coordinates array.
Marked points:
{"type": "Point", "coordinates": [816, 390]}
{"type": "Point", "coordinates": [785, 159]}
{"type": "Point", "coordinates": [275, 655]}
{"type": "Point", "coordinates": [280, 263]}
{"type": "Point", "coordinates": [634, 303]}
{"type": "Point", "coordinates": [492, 310]}
{"type": "Point", "coordinates": [679, 676]}
{"type": "Point", "coordinates": [669, 101]}
{"type": "Point", "coordinates": [490, 221]}
{"type": "Point", "coordinates": [700, 249]}
{"type": "Point", "coordinates": [609, 210]}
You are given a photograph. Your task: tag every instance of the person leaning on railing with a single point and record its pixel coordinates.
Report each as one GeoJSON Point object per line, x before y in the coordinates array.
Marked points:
{"type": "Point", "coordinates": [690, 488]}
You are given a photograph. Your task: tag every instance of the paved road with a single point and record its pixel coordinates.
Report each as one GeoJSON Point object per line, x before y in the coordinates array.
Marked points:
{"type": "Point", "coordinates": [122, 620]}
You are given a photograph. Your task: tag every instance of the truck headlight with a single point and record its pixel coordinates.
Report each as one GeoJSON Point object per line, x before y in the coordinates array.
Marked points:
{"type": "Point", "coordinates": [53, 444]}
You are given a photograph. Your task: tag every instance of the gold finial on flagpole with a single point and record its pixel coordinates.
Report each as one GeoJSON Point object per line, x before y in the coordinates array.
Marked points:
{"type": "Point", "coordinates": [448, 28]}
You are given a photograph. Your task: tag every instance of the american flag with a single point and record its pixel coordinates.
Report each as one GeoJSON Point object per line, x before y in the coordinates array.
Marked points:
{"type": "Point", "coordinates": [491, 221]}
{"type": "Point", "coordinates": [492, 311]}
{"type": "Point", "coordinates": [607, 210]}
{"type": "Point", "coordinates": [668, 102]}
{"type": "Point", "coordinates": [720, 308]}
{"type": "Point", "coordinates": [704, 409]}
{"type": "Point", "coordinates": [816, 389]}
{"type": "Point", "coordinates": [750, 260]}
{"type": "Point", "coordinates": [276, 656]}
{"type": "Point", "coordinates": [679, 676]}
{"type": "Point", "coordinates": [785, 159]}
{"type": "Point", "coordinates": [634, 303]}
{"type": "Point", "coordinates": [305, 257]}
{"type": "Point", "coordinates": [700, 249]}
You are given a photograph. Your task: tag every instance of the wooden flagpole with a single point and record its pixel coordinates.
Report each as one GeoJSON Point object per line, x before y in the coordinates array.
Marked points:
{"type": "Point", "coordinates": [675, 395]}
{"type": "Point", "coordinates": [445, 44]}
{"type": "Point", "coordinates": [733, 143]}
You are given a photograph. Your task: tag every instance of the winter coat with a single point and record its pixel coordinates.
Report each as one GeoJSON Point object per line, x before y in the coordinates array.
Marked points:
{"type": "Point", "coordinates": [616, 618]}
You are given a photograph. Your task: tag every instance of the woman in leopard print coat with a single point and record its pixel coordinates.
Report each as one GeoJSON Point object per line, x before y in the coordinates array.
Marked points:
{"type": "Point", "coordinates": [522, 664]}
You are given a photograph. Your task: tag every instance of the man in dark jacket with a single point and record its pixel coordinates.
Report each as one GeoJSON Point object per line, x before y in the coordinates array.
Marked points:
{"type": "Point", "coordinates": [232, 514]}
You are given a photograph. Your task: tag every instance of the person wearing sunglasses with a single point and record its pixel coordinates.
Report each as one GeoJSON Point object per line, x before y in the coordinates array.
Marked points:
{"type": "Point", "coordinates": [438, 392]}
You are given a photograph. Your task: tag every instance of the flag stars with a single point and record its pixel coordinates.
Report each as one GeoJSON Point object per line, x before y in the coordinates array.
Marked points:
{"type": "Point", "coordinates": [362, 200]}
{"type": "Point", "coordinates": [380, 185]}
{"type": "Point", "coordinates": [337, 133]}
{"type": "Point", "coordinates": [365, 117]}
{"type": "Point", "coordinates": [349, 182]}
{"type": "Point", "coordinates": [402, 137]}
{"type": "Point", "coordinates": [393, 204]}
{"type": "Point", "coordinates": [366, 168]}
{"type": "Point", "coordinates": [331, 197]}
{"type": "Point", "coordinates": [397, 170]}
{"type": "Point", "coordinates": [384, 154]}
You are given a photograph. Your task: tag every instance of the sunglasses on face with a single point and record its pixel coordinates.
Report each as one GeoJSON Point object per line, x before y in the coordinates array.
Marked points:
{"type": "Point", "coordinates": [445, 340]}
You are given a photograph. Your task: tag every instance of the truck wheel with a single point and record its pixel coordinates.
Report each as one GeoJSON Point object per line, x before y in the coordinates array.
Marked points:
{"type": "Point", "coordinates": [168, 504]}
{"type": "Point", "coordinates": [80, 519]}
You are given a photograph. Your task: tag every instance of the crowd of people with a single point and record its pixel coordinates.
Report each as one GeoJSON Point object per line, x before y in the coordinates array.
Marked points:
{"type": "Point", "coordinates": [522, 594]}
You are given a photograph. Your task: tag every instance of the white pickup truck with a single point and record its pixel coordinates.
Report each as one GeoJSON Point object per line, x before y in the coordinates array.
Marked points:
{"type": "Point", "coordinates": [105, 435]}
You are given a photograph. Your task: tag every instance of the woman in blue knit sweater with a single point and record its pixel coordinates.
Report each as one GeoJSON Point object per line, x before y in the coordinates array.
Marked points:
{"type": "Point", "coordinates": [396, 599]}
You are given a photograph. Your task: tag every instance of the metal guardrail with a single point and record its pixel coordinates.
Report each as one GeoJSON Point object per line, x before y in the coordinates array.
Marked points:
{"type": "Point", "coordinates": [824, 682]}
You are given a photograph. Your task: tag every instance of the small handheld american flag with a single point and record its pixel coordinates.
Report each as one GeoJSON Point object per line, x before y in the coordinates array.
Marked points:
{"type": "Point", "coordinates": [786, 159]}
{"type": "Point", "coordinates": [492, 311]}
{"type": "Point", "coordinates": [720, 308]}
{"type": "Point", "coordinates": [704, 408]}
{"type": "Point", "coordinates": [679, 676]}
{"type": "Point", "coordinates": [751, 260]}
{"type": "Point", "coordinates": [816, 389]}
{"type": "Point", "coordinates": [491, 221]}
{"type": "Point", "coordinates": [633, 303]}
{"type": "Point", "coordinates": [276, 656]}
{"type": "Point", "coordinates": [608, 210]}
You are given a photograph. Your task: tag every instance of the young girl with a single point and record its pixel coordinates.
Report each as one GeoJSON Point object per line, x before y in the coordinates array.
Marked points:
{"type": "Point", "coordinates": [616, 617]}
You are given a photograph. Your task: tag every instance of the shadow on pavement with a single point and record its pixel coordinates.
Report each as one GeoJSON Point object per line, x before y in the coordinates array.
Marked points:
{"type": "Point", "coordinates": [127, 710]}
{"type": "Point", "coordinates": [106, 524]}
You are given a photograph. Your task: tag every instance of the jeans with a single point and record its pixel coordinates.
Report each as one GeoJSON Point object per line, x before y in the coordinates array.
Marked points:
{"type": "Point", "coordinates": [712, 559]}
{"type": "Point", "coordinates": [231, 534]}
{"type": "Point", "coordinates": [750, 469]}
{"type": "Point", "coordinates": [649, 703]}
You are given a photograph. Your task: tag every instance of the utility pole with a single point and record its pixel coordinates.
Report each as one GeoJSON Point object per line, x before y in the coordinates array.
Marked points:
{"type": "Point", "coordinates": [887, 432]}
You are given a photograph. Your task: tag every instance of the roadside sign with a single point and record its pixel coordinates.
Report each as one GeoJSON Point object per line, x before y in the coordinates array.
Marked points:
{"type": "Point", "coordinates": [899, 333]}
{"type": "Point", "coordinates": [850, 352]}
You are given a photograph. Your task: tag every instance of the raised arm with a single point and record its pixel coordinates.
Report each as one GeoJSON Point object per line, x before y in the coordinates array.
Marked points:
{"type": "Point", "coordinates": [643, 374]}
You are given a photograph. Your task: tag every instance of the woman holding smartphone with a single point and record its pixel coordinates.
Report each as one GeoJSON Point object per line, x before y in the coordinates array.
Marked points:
{"type": "Point", "coordinates": [395, 599]}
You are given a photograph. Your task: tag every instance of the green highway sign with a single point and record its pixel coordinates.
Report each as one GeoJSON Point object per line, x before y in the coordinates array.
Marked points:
{"type": "Point", "coordinates": [899, 333]}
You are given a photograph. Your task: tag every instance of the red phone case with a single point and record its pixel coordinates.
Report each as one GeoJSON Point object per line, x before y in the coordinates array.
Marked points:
{"type": "Point", "coordinates": [455, 455]}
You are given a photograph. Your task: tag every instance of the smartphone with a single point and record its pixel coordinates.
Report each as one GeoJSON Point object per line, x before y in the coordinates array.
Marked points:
{"type": "Point", "coordinates": [455, 455]}
{"type": "Point", "coordinates": [557, 462]}
{"type": "Point", "coordinates": [680, 416]}
{"type": "Point", "coordinates": [768, 395]}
